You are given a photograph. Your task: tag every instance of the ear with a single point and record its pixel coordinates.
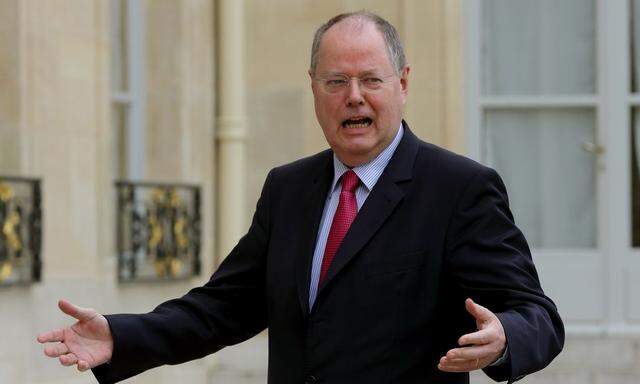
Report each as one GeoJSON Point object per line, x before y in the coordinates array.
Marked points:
{"type": "Point", "coordinates": [313, 86]}
{"type": "Point", "coordinates": [404, 83]}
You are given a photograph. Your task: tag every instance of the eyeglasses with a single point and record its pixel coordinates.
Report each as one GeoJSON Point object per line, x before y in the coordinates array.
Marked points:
{"type": "Point", "coordinates": [340, 83]}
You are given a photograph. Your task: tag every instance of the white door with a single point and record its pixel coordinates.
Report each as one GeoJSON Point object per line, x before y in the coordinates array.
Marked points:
{"type": "Point", "coordinates": [538, 79]}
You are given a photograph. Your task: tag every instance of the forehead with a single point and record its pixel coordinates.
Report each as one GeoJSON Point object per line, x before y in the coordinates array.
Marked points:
{"type": "Point", "coordinates": [353, 45]}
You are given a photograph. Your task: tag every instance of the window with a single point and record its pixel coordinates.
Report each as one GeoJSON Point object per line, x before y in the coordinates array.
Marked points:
{"type": "Point", "coordinates": [127, 88]}
{"type": "Point", "coordinates": [537, 114]}
{"type": "Point", "coordinates": [158, 224]}
{"type": "Point", "coordinates": [634, 103]}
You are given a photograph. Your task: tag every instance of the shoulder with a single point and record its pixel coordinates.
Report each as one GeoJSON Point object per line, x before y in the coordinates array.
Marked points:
{"type": "Point", "coordinates": [303, 170]}
{"type": "Point", "coordinates": [447, 166]}
{"type": "Point", "coordinates": [312, 162]}
{"type": "Point", "coordinates": [466, 184]}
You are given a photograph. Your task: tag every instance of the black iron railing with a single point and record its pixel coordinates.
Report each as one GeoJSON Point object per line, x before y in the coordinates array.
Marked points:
{"type": "Point", "coordinates": [20, 231]}
{"type": "Point", "coordinates": [158, 231]}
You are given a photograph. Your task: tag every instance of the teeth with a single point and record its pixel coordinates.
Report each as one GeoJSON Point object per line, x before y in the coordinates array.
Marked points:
{"type": "Point", "coordinates": [357, 123]}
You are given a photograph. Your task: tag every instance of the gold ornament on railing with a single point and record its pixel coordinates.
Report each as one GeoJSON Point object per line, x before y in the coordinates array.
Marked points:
{"type": "Point", "coordinates": [157, 196]}
{"type": "Point", "coordinates": [179, 232]}
{"type": "Point", "coordinates": [20, 230]}
{"type": "Point", "coordinates": [9, 230]}
{"type": "Point", "coordinates": [5, 271]}
{"type": "Point", "coordinates": [156, 232]}
{"type": "Point", "coordinates": [6, 192]}
{"type": "Point", "coordinates": [168, 266]}
{"type": "Point", "coordinates": [174, 199]}
{"type": "Point", "coordinates": [166, 200]}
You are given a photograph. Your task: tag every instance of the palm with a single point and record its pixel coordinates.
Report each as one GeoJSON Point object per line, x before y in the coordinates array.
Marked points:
{"type": "Point", "coordinates": [482, 323]}
{"type": "Point", "coordinates": [90, 340]}
{"type": "Point", "coordinates": [478, 349]}
{"type": "Point", "coordinates": [87, 343]}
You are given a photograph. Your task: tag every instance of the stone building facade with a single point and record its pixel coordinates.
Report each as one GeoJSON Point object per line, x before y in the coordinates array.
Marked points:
{"type": "Point", "coordinates": [217, 93]}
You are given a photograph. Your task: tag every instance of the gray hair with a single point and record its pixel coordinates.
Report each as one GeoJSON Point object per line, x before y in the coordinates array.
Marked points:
{"type": "Point", "coordinates": [388, 31]}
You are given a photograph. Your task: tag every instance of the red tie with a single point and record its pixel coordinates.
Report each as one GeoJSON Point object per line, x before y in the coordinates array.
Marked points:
{"type": "Point", "coordinates": [345, 213]}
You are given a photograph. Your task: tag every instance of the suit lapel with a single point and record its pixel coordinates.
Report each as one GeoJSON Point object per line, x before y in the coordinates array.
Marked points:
{"type": "Point", "coordinates": [312, 214]}
{"type": "Point", "coordinates": [380, 203]}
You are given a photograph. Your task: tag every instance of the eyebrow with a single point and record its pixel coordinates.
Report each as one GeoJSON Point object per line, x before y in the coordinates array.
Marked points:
{"type": "Point", "coordinates": [368, 72]}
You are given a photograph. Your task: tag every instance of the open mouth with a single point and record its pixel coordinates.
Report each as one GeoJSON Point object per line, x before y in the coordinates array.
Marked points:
{"type": "Point", "coordinates": [359, 122]}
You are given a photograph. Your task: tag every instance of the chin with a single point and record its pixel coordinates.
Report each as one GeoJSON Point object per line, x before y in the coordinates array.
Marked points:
{"type": "Point", "coordinates": [358, 144]}
{"type": "Point", "coordinates": [359, 152]}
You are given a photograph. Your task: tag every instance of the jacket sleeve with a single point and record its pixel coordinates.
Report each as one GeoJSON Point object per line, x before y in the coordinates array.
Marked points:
{"type": "Point", "coordinates": [228, 309]}
{"type": "Point", "coordinates": [490, 261]}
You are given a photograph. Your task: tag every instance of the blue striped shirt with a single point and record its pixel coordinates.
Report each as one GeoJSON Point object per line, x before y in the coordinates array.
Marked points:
{"type": "Point", "coordinates": [368, 174]}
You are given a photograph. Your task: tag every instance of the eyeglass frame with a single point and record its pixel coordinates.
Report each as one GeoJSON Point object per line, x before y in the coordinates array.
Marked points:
{"type": "Point", "coordinates": [340, 88]}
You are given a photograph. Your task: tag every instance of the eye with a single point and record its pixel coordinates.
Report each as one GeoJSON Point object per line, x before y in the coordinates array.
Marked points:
{"type": "Point", "coordinates": [372, 81]}
{"type": "Point", "coordinates": [336, 82]}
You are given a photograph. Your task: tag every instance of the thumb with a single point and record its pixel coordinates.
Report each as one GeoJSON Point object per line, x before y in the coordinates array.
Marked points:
{"type": "Point", "coordinates": [81, 314]}
{"type": "Point", "coordinates": [478, 311]}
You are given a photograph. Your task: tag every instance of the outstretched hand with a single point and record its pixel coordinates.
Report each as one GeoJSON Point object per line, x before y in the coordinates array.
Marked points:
{"type": "Point", "coordinates": [87, 343]}
{"type": "Point", "coordinates": [478, 349]}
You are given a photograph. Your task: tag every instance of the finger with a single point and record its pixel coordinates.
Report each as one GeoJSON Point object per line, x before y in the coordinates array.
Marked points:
{"type": "Point", "coordinates": [481, 337]}
{"type": "Point", "coordinates": [471, 353]}
{"type": "Point", "coordinates": [55, 350]}
{"type": "Point", "coordinates": [459, 366]}
{"type": "Point", "coordinates": [467, 366]}
{"type": "Point", "coordinates": [478, 311]}
{"type": "Point", "coordinates": [55, 335]}
{"type": "Point", "coordinates": [68, 359]}
{"type": "Point", "coordinates": [83, 365]}
{"type": "Point", "coordinates": [456, 360]}
{"type": "Point", "coordinates": [82, 314]}
{"type": "Point", "coordinates": [445, 359]}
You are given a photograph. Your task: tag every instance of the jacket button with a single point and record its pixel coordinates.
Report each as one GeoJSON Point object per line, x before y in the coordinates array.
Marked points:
{"type": "Point", "coordinates": [311, 380]}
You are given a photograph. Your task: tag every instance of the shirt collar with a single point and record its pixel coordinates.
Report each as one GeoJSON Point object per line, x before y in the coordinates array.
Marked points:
{"type": "Point", "coordinates": [370, 172]}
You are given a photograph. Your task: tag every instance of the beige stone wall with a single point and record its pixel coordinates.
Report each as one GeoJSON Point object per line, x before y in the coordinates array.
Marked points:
{"type": "Point", "coordinates": [55, 120]}
{"type": "Point", "coordinates": [179, 88]}
{"type": "Point", "coordinates": [9, 88]}
{"type": "Point", "coordinates": [164, 74]}
{"type": "Point", "coordinates": [55, 124]}
{"type": "Point", "coordinates": [432, 34]}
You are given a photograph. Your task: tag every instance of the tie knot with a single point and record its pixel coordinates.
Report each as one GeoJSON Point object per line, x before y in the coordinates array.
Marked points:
{"type": "Point", "coordinates": [350, 181]}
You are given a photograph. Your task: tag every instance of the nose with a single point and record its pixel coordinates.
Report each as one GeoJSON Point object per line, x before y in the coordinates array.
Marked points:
{"type": "Point", "coordinates": [354, 97]}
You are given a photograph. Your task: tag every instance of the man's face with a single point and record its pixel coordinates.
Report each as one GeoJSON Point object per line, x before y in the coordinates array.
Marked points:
{"type": "Point", "coordinates": [358, 121]}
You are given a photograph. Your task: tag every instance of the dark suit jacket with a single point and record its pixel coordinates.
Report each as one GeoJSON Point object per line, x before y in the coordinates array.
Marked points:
{"type": "Point", "coordinates": [435, 229]}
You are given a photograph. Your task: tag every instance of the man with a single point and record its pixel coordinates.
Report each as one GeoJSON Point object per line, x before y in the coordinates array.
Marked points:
{"type": "Point", "coordinates": [382, 260]}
